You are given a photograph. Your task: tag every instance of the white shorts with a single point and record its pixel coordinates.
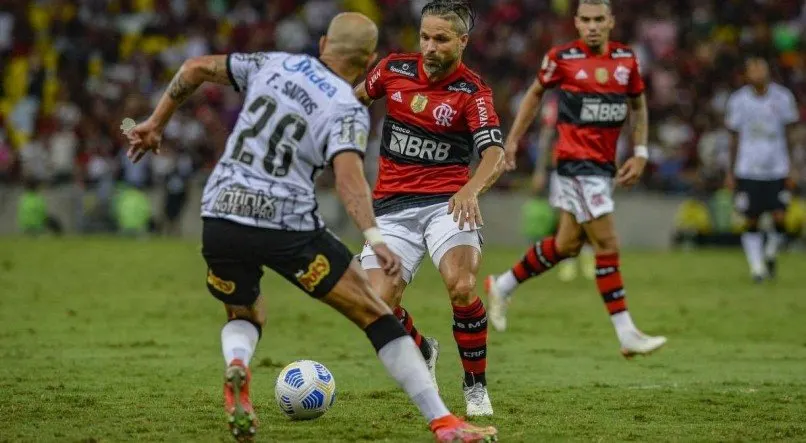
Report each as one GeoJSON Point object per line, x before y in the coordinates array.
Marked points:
{"type": "Point", "coordinates": [586, 197]}
{"type": "Point", "coordinates": [555, 195]}
{"type": "Point", "coordinates": [411, 232]}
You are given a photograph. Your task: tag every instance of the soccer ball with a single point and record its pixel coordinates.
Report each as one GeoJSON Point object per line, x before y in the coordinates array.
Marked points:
{"type": "Point", "coordinates": [305, 390]}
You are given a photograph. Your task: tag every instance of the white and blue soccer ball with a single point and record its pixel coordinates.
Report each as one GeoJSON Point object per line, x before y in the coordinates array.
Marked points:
{"type": "Point", "coordinates": [305, 390]}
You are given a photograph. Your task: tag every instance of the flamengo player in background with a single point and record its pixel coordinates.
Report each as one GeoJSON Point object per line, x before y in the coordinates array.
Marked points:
{"type": "Point", "coordinates": [439, 113]}
{"type": "Point", "coordinates": [758, 115]}
{"type": "Point", "coordinates": [597, 80]}
{"type": "Point", "coordinates": [259, 206]}
{"type": "Point", "coordinates": [568, 269]}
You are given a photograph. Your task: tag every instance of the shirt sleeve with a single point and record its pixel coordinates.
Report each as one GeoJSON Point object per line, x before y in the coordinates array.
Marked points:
{"type": "Point", "coordinates": [733, 114]}
{"type": "Point", "coordinates": [241, 67]}
{"type": "Point", "coordinates": [349, 130]}
{"type": "Point", "coordinates": [482, 120]}
{"type": "Point", "coordinates": [374, 84]}
{"type": "Point", "coordinates": [549, 74]}
{"type": "Point", "coordinates": [636, 85]}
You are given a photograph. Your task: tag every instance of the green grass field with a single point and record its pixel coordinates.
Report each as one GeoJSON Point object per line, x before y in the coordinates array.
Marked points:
{"type": "Point", "coordinates": [115, 340]}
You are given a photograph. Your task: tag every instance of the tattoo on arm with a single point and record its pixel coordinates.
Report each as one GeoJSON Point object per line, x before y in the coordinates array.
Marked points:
{"type": "Point", "coordinates": [194, 72]}
{"type": "Point", "coordinates": [180, 88]}
{"type": "Point", "coordinates": [213, 68]}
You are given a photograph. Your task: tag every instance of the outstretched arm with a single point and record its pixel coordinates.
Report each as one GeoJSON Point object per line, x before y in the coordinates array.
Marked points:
{"type": "Point", "coordinates": [194, 72]}
{"type": "Point", "coordinates": [147, 135]}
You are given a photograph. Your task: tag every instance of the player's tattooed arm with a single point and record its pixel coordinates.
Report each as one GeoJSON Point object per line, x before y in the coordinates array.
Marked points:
{"type": "Point", "coordinates": [194, 72]}
{"type": "Point", "coordinates": [353, 189]}
{"type": "Point", "coordinates": [640, 123]}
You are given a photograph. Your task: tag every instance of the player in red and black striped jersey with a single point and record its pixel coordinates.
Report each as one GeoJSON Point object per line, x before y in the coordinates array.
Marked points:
{"type": "Point", "coordinates": [440, 115]}
{"type": "Point", "coordinates": [599, 85]}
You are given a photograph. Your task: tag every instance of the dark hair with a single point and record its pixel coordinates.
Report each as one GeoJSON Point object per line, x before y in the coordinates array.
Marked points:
{"type": "Point", "coordinates": [461, 8]}
{"type": "Point", "coordinates": [596, 2]}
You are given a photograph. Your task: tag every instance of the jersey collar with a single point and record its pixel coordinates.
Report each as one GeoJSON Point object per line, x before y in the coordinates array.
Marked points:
{"type": "Point", "coordinates": [587, 50]}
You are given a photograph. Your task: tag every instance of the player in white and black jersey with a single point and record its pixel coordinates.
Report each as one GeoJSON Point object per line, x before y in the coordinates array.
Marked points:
{"type": "Point", "coordinates": [759, 116]}
{"type": "Point", "coordinates": [259, 207]}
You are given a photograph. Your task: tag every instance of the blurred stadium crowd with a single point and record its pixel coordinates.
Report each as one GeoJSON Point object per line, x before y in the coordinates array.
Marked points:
{"type": "Point", "coordinates": [71, 70]}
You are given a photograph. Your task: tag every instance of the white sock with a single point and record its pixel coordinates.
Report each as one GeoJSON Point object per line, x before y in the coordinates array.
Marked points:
{"type": "Point", "coordinates": [753, 244]}
{"type": "Point", "coordinates": [774, 241]}
{"type": "Point", "coordinates": [405, 364]}
{"type": "Point", "coordinates": [506, 283]}
{"type": "Point", "coordinates": [238, 341]}
{"type": "Point", "coordinates": [623, 324]}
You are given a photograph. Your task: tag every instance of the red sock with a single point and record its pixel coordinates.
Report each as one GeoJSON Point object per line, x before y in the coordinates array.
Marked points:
{"type": "Point", "coordinates": [608, 280]}
{"type": "Point", "coordinates": [540, 257]}
{"type": "Point", "coordinates": [470, 332]}
{"type": "Point", "coordinates": [408, 324]}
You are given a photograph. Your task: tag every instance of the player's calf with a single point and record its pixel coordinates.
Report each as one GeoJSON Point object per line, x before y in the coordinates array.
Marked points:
{"type": "Point", "coordinates": [239, 338]}
{"type": "Point", "coordinates": [353, 297]}
{"type": "Point", "coordinates": [390, 289]}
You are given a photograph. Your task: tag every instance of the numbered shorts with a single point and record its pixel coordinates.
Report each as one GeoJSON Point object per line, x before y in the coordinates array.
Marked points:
{"type": "Point", "coordinates": [756, 197]}
{"type": "Point", "coordinates": [412, 232]}
{"type": "Point", "coordinates": [586, 197]}
{"type": "Point", "coordinates": [314, 261]}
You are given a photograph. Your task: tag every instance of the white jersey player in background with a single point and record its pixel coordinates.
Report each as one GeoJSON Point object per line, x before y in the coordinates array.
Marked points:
{"type": "Point", "coordinates": [259, 206]}
{"type": "Point", "coordinates": [759, 116]}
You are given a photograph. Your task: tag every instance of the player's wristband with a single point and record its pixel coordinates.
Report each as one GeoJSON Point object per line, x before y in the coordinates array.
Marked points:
{"type": "Point", "coordinates": [373, 236]}
{"type": "Point", "coordinates": [641, 151]}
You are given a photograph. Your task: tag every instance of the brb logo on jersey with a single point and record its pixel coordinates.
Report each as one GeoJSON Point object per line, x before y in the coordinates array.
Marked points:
{"type": "Point", "coordinates": [444, 114]}
{"type": "Point", "coordinates": [409, 145]}
{"type": "Point", "coordinates": [594, 111]}
{"type": "Point", "coordinates": [318, 269]}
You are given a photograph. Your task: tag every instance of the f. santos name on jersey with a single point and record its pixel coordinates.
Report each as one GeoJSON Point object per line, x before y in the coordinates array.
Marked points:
{"type": "Point", "coordinates": [407, 144]}
{"type": "Point", "coordinates": [300, 95]}
{"type": "Point", "coordinates": [305, 66]}
{"type": "Point", "coordinates": [244, 202]}
{"type": "Point", "coordinates": [595, 111]}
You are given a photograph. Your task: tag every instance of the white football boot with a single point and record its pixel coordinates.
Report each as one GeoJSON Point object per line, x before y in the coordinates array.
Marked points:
{"type": "Point", "coordinates": [497, 305]}
{"type": "Point", "coordinates": [478, 401]}
{"type": "Point", "coordinates": [637, 343]}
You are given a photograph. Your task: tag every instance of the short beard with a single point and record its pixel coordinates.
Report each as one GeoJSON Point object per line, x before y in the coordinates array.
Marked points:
{"type": "Point", "coordinates": [432, 68]}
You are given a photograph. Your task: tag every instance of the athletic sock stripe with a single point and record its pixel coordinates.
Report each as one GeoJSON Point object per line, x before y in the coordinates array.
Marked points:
{"type": "Point", "coordinates": [469, 311]}
{"type": "Point", "coordinates": [614, 295]}
{"type": "Point", "coordinates": [616, 306]}
{"type": "Point", "coordinates": [609, 283]}
{"type": "Point", "coordinates": [466, 341]}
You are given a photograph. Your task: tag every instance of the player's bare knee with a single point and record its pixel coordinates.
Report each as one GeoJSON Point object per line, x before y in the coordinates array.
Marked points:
{"type": "Point", "coordinates": [569, 247]}
{"type": "Point", "coordinates": [367, 306]}
{"type": "Point", "coordinates": [461, 288]}
{"type": "Point", "coordinates": [607, 244]}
